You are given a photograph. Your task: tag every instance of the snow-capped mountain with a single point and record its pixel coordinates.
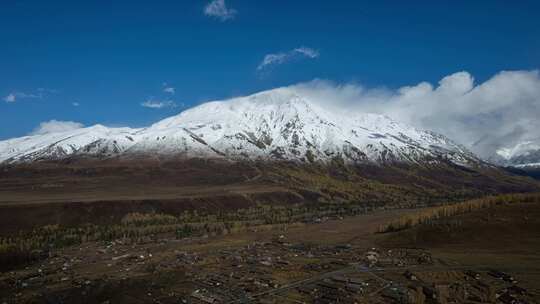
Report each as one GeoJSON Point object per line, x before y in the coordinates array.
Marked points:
{"type": "Point", "coordinates": [271, 125]}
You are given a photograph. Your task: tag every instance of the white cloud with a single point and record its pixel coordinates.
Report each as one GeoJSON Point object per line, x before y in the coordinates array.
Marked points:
{"type": "Point", "coordinates": [283, 57]}
{"type": "Point", "coordinates": [495, 115]}
{"type": "Point", "coordinates": [47, 91]}
{"type": "Point", "coordinates": [309, 52]}
{"type": "Point", "coordinates": [10, 98]}
{"type": "Point", "coordinates": [23, 95]}
{"type": "Point", "coordinates": [41, 93]}
{"type": "Point", "coordinates": [169, 90]}
{"type": "Point", "coordinates": [218, 9]}
{"type": "Point", "coordinates": [54, 126]}
{"type": "Point", "coordinates": [75, 104]}
{"type": "Point", "coordinates": [158, 104]}
{"type": "Point", "coordinates": [271, 59]}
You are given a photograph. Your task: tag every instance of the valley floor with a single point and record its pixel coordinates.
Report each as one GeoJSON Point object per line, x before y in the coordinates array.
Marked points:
{"type": "Point", "coordinates": [486, 256]}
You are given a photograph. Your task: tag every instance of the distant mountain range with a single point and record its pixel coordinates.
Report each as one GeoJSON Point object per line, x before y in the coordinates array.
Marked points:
{"type": "Point", "coordinates": [279, 124]}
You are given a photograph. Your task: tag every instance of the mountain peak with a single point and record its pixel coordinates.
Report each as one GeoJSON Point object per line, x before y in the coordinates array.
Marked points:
{"type": "Point", "coordinates": [279, 124]}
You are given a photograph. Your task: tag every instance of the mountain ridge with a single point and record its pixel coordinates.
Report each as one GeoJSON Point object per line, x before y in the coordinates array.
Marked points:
{"type": "Point", "coordinates": [279, 124]}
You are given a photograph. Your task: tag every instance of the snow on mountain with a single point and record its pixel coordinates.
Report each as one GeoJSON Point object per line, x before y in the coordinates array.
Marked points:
{"type": "Point", "coordinates": [95, 139]}
{"type": "Point", "coordinates": [275, 124]}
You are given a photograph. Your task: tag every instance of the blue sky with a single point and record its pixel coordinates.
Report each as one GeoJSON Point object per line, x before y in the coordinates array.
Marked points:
{"type": "Point", "coordinates": [99, 61]}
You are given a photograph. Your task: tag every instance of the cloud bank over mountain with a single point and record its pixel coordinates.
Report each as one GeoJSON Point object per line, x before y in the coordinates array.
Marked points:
{"type": "Point", "coordinates": [491, 118]}
{"type": "Point", "coordinates": [55, 126]}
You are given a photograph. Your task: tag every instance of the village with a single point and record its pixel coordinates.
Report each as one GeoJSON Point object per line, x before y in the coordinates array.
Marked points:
{"type": "Point", "coordinates": [270, 271]}
{"type": "Point", "coordinates": [344, 274]}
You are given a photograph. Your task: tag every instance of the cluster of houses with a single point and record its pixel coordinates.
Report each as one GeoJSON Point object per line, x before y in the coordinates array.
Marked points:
{"type": "Point", "coordinates": [336, 289]}
{"type": "Point", "coordinates": [252, 274]}
{"type": "Point", "coordinates": [424, 286]}
{"type": "Point", "coordinates": [401, 257]}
